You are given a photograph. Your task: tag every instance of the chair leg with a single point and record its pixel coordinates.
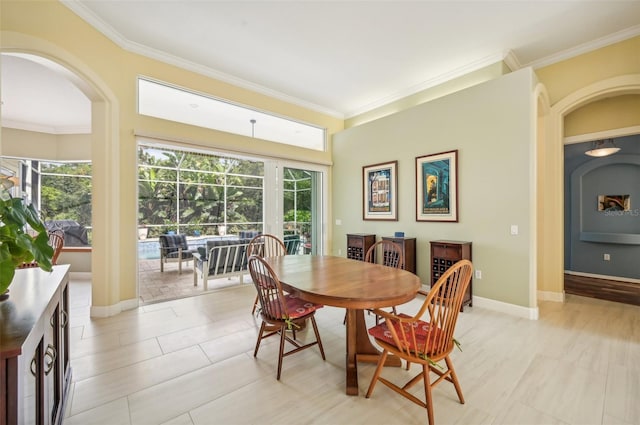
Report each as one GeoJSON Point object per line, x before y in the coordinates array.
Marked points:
{"type": "Point", "coordinates": [281, 354]}
{"type": "Point", "coordinates": [376, 374]}
{"type": "Point", "coordinates": [454, 379]}
{"type": "Point", "coordinates": [315, 330]}
{"type": "Point", "coordinates": [255, 305]}
{"type": "Point", "coordinates": [260, 333]}
{"type": "Point", "coordinates": [427, 392]}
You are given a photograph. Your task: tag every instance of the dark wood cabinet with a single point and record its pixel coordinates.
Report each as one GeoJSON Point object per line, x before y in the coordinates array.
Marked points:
{"type": "Point", "coordinates": [408, 251]}
{"type": "Point", "coordinates": [358, 244]}
{"type": "Point", "coordinates": [34, 356]}
{"type": "Point", "coordinates": [445, 254]}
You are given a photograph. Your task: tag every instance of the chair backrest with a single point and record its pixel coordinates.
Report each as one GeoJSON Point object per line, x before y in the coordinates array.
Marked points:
{"type": "Point", "coordinates": [56, 240]}
{"type": "Point", "coordinates": [292, 243]}
{"type": "Point", "coordinates": [266, 245]}
{"type": "Point", "coordinates": [391, 254]}
{"type": "Point", "coordinates": [443, 304]}
{"type": "Point", "coordinates": [270, 293]}
{"type": "Point", "coordinates": [226, 255]}
{"type": "Point", "coordinates": [171, 243]}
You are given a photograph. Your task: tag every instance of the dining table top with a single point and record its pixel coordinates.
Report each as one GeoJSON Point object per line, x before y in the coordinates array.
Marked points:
{"type": "Point", "coordinates": [343, 282]}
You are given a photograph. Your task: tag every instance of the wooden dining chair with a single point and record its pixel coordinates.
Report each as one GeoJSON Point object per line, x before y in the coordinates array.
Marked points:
{"type": "Point", "coordinates": [265, 246]}
{"type": "Point", "coordinates": [425, 342]}
{"type": "Point", "coordinates": [388, 253]}
{"type": "Point", "coordinates": [281, 312]}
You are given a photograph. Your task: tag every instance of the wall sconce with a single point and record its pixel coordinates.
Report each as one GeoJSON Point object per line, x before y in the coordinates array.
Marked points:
{"type": "Point", "coordinates": [602, 148]}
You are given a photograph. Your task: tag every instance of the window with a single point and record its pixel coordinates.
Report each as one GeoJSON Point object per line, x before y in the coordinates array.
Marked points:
{"type": "Point", "coordinates": [161, 100]}
{"type": "Point", "coordinates": [64, 193]}
{"type": "Point", "coordinates": [197, 194]}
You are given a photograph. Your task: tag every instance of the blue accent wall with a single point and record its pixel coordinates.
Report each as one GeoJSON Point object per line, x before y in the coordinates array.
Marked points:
{"type": "Point", "coordinates": [589, 233]}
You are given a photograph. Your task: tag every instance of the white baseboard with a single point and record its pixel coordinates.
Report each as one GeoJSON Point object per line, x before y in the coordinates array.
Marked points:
{"type": "Point", "coordinates": [79, 275]}
{"type": "Point", "coordinates": [112, 310]}
{"type": "Point", "coordinates": [530, 313]}
{"type": "Point", "coordinates": [551, 296]}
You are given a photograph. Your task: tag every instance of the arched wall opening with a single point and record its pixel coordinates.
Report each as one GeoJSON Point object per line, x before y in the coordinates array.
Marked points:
{"type": "Point", "coordinates": [553, 264]}
{"type": "Point", "coordinates": [105, 151]}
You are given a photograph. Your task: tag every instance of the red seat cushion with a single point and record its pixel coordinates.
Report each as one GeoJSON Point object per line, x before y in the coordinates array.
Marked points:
{"type": "Point", "coordinates": [381, 332]}
{"type": "Point", "coordinates": [298, 307]}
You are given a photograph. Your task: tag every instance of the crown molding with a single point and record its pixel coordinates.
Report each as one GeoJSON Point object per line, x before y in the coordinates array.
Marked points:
{"type": "Point", "coordinates": [600, 135]}
{"type": "Point", "coordinates": [47, 129]}
{"type": "Point", "coordinates": [443, 78]}
{"type": "Point", "coordinates": [509, 58]}
{"type": "Point", "coordinates": [87, 15]}
{"type": "Point", "coordinates": [512, 61]}
{"type": "Point", "coordinates": [587, 47]}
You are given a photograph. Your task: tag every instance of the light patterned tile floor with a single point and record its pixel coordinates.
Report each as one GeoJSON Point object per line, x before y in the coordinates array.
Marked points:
{"type": "Point", "coordinates": [190, 361]}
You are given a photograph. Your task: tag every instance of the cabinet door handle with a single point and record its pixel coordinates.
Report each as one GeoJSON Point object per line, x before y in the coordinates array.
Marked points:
{"type": "Point", "coordinates": [65, 319]}
{"type": "Point", "coordinates": [33, 365]}
{"type": "Point", "coordinates": [52, 354]}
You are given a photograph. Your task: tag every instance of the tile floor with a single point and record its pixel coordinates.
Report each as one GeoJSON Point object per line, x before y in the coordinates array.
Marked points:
{"type": "Point", "coordinates": [190, 361]}
{"type": "Point", "coordinates": [158, 286]}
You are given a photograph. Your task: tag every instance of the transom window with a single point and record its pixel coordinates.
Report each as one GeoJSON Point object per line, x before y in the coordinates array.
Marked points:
{"type": "Point", "coordinates": [161, 100]}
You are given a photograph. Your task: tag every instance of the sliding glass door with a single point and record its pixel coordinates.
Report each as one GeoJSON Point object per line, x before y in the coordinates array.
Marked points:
{"type": "Point", "coordinates": [302, 189]}
{"type": "Point", "coordinates": [209, 195]}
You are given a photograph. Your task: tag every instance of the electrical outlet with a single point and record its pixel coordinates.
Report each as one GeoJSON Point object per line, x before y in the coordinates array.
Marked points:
{"type": "Point", "coordinates": [514, 229]}
{"type": "Point", "coordinates": [339, 251]}
{"type": "Point", "coordinates": [607, 257]}
{"type": "Point", "coordinates": [478, 274]}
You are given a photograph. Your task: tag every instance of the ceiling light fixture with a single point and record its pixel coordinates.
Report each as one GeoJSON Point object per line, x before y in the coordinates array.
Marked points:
{"type": "Point", "coordinates": [253, 125]}
{"type": "Point", "coordinates": [602, 148]}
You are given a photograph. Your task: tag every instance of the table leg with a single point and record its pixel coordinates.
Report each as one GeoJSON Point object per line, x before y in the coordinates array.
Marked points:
{"type": "Point", "coordinates": [352, 364]}
{"type": "Point", "coordinates": [360, 349]}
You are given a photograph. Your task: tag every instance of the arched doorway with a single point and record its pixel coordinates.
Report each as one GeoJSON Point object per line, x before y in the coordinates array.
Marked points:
{"type": "Point", "coordinates": [552, 268]}
{"type": "Point", "coordinates": [104, 156]}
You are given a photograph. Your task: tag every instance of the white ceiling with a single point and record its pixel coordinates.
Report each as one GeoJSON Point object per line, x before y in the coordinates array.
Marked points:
{"type": "Point", "coordinates": [338, 57]}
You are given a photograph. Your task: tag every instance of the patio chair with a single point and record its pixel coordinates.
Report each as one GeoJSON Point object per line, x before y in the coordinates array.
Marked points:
{"type": "Point", "coordinates": [281, 312]}
{"type": "Point", "coordinates": [425, 342]}
{"type": "Point", "coordinates": [174, 248]}
{"type": "Point", "coordinates": [292, 243]}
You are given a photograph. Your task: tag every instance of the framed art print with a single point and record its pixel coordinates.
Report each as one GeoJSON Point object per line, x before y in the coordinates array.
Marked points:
{"type": "Point", "coordinates": [437, 187]}
{"type": "Point", "coordinates": [380, 191]}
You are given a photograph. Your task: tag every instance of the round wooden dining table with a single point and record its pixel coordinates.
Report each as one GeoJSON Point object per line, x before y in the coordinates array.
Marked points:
{"type": "Point", "coordinates": [354, 285]}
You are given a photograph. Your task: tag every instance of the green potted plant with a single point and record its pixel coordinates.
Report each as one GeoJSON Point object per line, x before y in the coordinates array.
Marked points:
{"type": "Point", "coordinates": [17, 246]}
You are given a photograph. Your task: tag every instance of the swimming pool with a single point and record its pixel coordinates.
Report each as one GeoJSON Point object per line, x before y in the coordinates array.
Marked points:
{"type": "Point", "coordinates": [149, 249]}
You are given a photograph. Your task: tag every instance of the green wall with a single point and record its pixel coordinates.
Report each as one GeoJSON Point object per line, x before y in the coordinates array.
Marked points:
{"type": "Point", "coordinates": [492, 127]}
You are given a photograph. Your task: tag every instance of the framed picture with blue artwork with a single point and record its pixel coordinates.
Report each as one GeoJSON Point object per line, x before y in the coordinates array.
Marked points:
{"type": "Point", "coordinates": [437, 187]}
{"type": "Point", "coordinates": [380, 191]}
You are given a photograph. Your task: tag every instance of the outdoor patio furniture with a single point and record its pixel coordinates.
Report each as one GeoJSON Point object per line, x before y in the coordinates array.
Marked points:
{"type": "Point", "coordinates": [220, 258]}
{"type": "Point", "coordinates": [174, 248]}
